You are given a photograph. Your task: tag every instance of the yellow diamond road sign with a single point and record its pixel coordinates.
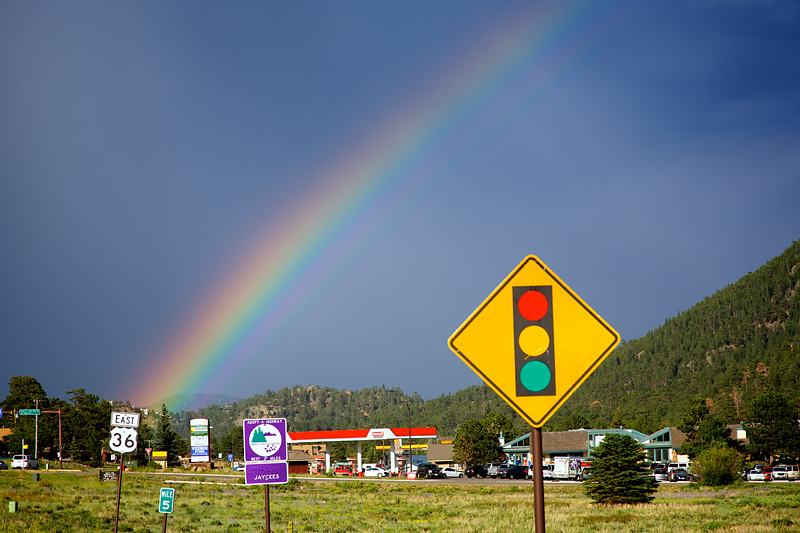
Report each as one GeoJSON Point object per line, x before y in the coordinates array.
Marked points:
{"type": "Point", "coordinates": [534, 341]}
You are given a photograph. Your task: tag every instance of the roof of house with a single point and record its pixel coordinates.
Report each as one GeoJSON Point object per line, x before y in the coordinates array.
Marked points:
{"type": "Point", "coordinates": [440, 452]}
{"type": "Point", "coordinates": [565, 441]}
{"type": "Point", "coordinates": [298, 456]}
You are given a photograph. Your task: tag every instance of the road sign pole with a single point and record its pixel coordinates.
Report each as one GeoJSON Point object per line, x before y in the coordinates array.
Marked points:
{"type": "Point", "coordinates": [538, 482]}
{"type": "Point", "coordinates": [164, 529]}
{"type": "Point", "coordinates": [266, 507]}
{"type": "Point", "coordinates": [119, 489]}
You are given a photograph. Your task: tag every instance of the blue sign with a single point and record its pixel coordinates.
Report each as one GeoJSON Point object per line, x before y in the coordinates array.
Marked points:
{"type": "Point", "coordinates": [230, 457]}
{"type": "Point", "coordinates": [199, 450]}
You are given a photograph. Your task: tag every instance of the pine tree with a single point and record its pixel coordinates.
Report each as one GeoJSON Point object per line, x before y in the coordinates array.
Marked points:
{"type": "Point", "coordinates": [166, 440]}
{"type": "Point", "coordinates": [618, 476]}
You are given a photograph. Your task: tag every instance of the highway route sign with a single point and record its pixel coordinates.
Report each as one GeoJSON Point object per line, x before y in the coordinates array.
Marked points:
{"type": "Point", "coordinates": [534, 341]}
{"type": "Point", "coordinates": [123, 440]}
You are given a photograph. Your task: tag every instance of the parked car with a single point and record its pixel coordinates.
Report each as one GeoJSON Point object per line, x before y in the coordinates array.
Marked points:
{"type": "Point", "coordinates": [511, 472]}
{"type": "Point", "coordinates": [679, 474]}
{"type": "Point", "coordinates": [3, 465]}
{"type": "Point", "coordinates": [660, 472]}
{"type": "Point", "coordinates": [586, 473]}
{"type": "Point", "coordinates": [374, 471]}
{"type": "Point", "coordinates": [475, 471]}
{"type": "Point", "coordinates": [754, 474]}
{"type": "Point", "coordinates": [452, 472]}
{"type": "Point", "coordinates": [24, 461]}
{"type": "Point", "coordinates": [787, 472]}
{"type": "Point", "coordinates": [429, 471]}
{"type": "Point", "coordinates": [491, 469]}
{"type": "Point", "coordinates": [547, 471]}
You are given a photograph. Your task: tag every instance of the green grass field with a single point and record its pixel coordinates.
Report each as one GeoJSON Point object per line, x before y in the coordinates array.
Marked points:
{"type": "Point", "coordinates": [62, 502]}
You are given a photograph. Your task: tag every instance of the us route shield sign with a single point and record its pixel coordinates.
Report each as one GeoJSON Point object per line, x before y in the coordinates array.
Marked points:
{"type": "Point", "coordinates": [534, 341]}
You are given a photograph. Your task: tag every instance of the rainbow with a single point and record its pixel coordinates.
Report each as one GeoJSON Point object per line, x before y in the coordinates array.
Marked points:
{"type": "Point", "coordinates": [515, 66]}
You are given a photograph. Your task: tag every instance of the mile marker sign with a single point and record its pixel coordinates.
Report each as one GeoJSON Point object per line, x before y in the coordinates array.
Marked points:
{"type": "Point", "coordinates": [534, 341]}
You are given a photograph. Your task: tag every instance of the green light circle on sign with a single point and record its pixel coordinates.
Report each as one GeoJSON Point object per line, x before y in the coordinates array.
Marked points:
{"type": "Point", "coordinates": [535, 376]}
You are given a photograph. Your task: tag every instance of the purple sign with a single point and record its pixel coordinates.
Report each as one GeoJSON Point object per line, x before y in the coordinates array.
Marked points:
{"type": "Point", "coordinates": [265, 439]}
{"type": "Point", "coordinates": [266, 473]}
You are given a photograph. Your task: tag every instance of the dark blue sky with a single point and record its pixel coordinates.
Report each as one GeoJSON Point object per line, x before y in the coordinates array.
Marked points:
{"type": "Point", "coordinates": [647, 151]}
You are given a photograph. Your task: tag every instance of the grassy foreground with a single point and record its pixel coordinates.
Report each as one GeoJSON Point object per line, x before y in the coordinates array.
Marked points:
{"type": "Point", "coordinates": [62, 502]}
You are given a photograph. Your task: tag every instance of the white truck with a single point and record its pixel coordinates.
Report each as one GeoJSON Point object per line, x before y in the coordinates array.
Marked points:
{"type": "Point", "coordinates": [570, 468]}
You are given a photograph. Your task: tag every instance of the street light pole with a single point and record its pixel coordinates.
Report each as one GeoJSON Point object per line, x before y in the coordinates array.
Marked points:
{"type": "Point", "coordinates": [409, 436]}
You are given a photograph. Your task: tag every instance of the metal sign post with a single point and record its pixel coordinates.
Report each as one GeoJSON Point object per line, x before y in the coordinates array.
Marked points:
{"type": "Point", "coordinates": [538, 481]}
{"type": "Point", "coordinates": [119, 489]}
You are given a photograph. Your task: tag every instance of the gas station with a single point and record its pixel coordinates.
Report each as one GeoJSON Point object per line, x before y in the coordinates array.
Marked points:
{"type": "Point", "coordinates": [359, 435]}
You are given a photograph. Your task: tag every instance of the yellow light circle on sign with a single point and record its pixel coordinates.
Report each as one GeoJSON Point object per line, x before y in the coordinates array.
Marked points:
{"type": "Point", "coordinates": [534, 341]}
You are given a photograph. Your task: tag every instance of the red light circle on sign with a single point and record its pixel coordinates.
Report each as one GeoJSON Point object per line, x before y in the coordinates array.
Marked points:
{"type": "Point", "coordinates": [533, 305]}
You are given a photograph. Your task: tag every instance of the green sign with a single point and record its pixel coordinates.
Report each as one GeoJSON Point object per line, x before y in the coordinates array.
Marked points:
{"type": "Point", "coordinates": [166, 501]}
{"type": "Point", "coordinates": [30, 412]}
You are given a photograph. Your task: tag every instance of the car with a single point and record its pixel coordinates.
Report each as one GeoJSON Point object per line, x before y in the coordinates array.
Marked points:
{"type": "Point", "coordinates": [429, 471]}
{"type": "Point", "coordinates": [787, 472]}
{"type": "Point", "coordinates": [475, 471]}
{"type": "Point", "coordinates": [491, 469]}
{"type": "Point", "coordinates": [3, 465]}
{"type": "Point", "coordinates": [511, 472]}
{"type": "Point", "coordinates": [24, 461]}
{"type": "Point", "coordinates": [679, 474]}
{"type": "Point", "coordinates": [374, 471]}
{"type": "Point", "coordinates": [547, 471]}
{"type": "Point", "coordinates": [660, 473]}
{"type": "Point", "coordinates": [452, 472]}
{"type": "Point", "coordinates": [586, 473]}
{"type": "Point", "coordinates": [754, 474]}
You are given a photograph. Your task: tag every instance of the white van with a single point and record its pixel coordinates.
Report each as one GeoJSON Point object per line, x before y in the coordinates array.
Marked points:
{"type": "Point", "coordinates": [674, 466]}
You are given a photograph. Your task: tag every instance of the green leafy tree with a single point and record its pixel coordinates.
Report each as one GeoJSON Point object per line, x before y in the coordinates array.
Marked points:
{"type": "Point", "coordinates": [702, 428]}
{"type": "Point", "coordinates": [572, 421]}
{"type": "Point", "coordinates": [87, 424]}
{"type": "Point", "coordinates": [618, 474]}
{"type": "Point", "coordinates": [717, 465]}
{"type": "Point", "coordinates": [771, 425]}
{"type": "Point", "coordinates": [474, 444]}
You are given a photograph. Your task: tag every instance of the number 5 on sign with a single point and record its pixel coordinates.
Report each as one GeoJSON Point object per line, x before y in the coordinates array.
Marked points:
{"type": "Point", "coordinates": [165, 503]}
{"type": "Point", "coordinates": [123, 440]}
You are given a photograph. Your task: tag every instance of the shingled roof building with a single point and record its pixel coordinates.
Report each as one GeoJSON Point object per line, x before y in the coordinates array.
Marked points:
{"type": "Point", "coordinates": [661, 446]}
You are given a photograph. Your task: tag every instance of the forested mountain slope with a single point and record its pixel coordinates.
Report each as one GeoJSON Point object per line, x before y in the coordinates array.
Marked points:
{"type": "Point", "coordinates": [727, 348]}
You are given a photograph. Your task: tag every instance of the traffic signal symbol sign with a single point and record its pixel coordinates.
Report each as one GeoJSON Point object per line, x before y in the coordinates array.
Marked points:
{"type": "Point", "coordinates": [534, 341]}
{"type": "Point", "coordinates": [534, 347]}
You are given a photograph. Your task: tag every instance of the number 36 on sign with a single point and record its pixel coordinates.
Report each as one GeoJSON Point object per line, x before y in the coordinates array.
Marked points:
{"type": "Point", "coordinates": [123, 440]}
